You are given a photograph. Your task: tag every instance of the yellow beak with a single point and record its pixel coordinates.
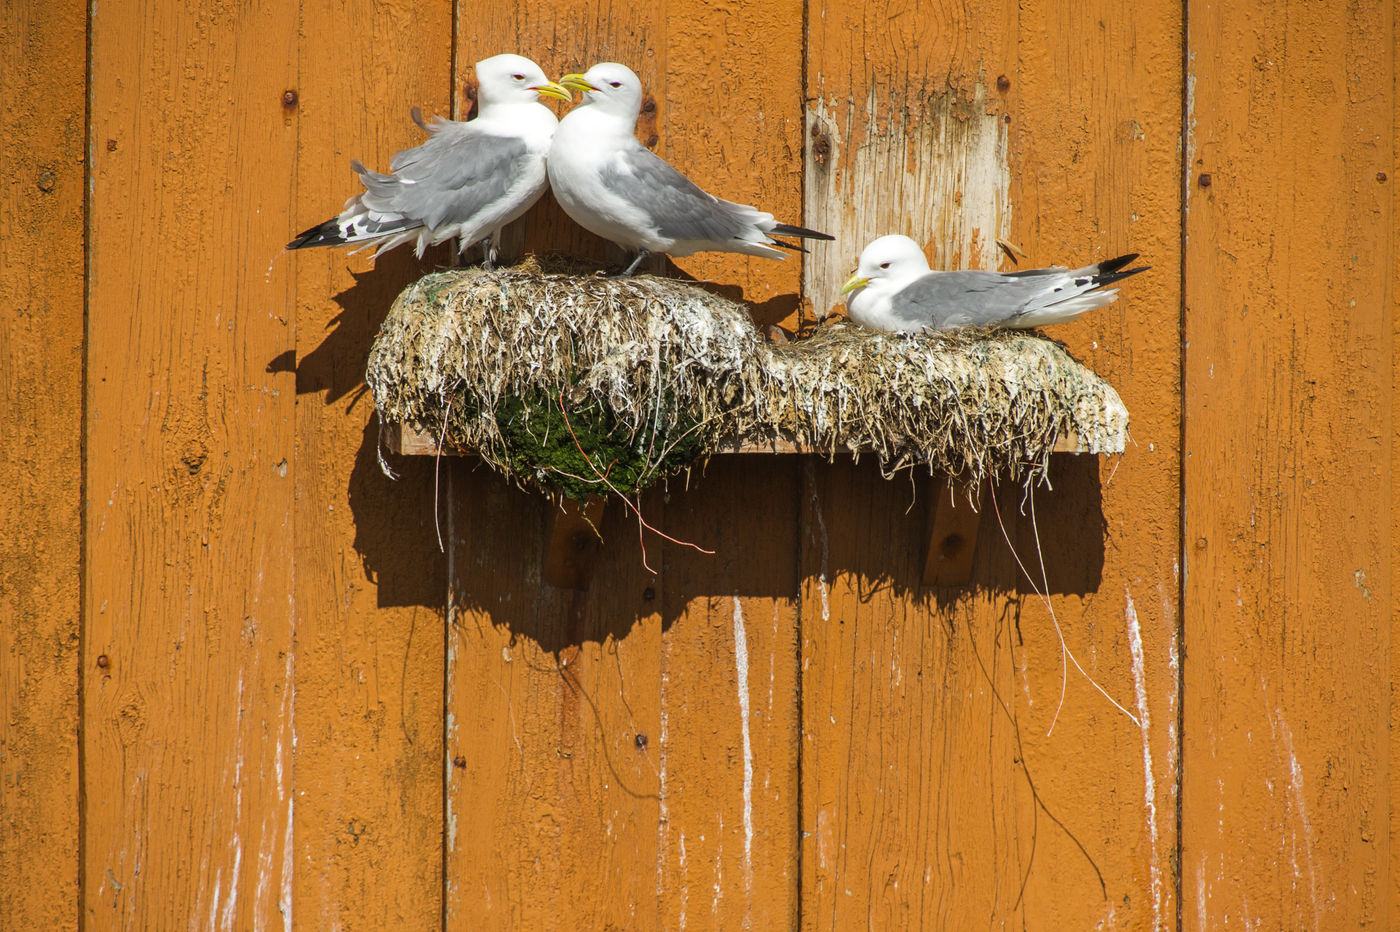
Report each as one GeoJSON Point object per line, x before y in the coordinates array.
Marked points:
{"type": "Point", "coordinates": [550, 89]}
{"type": "Point", "coordinates": [855, 282]}
{"type": "Point", "coordinates": [576, 81]}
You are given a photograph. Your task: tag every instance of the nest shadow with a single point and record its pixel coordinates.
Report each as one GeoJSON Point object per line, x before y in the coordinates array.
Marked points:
{"type": "Point", "coordinates": [394, 521]}
{"type": "Point", "coordinates": [776, 524]}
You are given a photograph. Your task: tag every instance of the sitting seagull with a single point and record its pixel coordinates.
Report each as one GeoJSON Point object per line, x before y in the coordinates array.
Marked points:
{"type": "Point", "coordinates": [894, 290]}
{"type": "Point", "coordinates": [468, 180]}
{"type": "Point", "coordinates": [614, 186]}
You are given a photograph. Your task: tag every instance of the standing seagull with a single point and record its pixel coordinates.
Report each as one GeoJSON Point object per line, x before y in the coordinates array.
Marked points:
{"type": "Point", "coordinates": [468, 180]}
{"type": "Point", "coordinates": [614, 186]}
{"type": "Point", "coordinates": [894, 290]}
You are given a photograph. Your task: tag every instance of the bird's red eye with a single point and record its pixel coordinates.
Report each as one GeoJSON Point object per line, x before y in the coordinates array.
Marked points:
{"type": "Point", "coordinates": [615, 83]}
{"type": "Point", "coordinates": [884, 265]}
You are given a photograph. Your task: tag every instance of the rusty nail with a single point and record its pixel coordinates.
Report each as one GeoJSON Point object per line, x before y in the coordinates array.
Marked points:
{"type": "Point", "coordinates": [652, 140]}
{"type": "Point", "coordinates": [459, 762]}
{"type": "Point", "coordinates": [1204, 180]}
{"type": "Point", "coordinates": [102, 662]}
{"type": "Point", "coordinates": [1200, 543]}
{"type": "Point", "coordinates": [1380, 176]}
{"type": "Point", "coordinates": [640, 741]}
{"type": "Point", "coordinates": [111, 145]}
{"type": "Point", "coordinates": [46, 181]}
{"type": "Point", "coordinates": [648, 105]}
{"type": "Point", "coordinates": [1006, 118]}
{"type": "Point", "coordinates": [648, 594]}
{"type": "Point", "coordinates": [1003, 83]}
{"type": "Point", "coordinates": [289, 98]}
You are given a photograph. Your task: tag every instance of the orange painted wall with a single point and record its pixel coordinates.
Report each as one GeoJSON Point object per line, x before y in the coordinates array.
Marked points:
{"type": "Point", "coordinates": [242, 687]}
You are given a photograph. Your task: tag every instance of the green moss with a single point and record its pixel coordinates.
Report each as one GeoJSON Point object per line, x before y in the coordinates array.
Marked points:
{"type": "Point", "coordinates": [564, 451]}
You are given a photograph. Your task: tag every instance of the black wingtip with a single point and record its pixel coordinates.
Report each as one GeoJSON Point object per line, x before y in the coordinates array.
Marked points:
{"type": "Point", "coordinates": [323, 234]}
{"type": "Point", "coordinates": [1101, 279]}
{"type": "Point", "coordinates": [792, 247]}
{"type": "Point", "coordinates": [1109, 266]}
{"type": "Point", "coordinates": [787, 229]}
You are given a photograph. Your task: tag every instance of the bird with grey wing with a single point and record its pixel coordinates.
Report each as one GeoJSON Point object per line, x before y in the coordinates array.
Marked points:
{"type": "Point", "coordinates": [468, 180]}
{"type": "Point", "coordinates": [612, 185]}
{"type": "Point", "coordinates": [894, 290]}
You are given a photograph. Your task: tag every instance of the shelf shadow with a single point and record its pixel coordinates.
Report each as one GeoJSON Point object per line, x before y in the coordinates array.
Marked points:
{"type": "Point", "coordinates": [776, 524]}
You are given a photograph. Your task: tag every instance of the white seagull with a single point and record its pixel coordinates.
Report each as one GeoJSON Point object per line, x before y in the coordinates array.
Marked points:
{"type": "Point", "coordinates": [468, 180]}
{"type": "Point", "coordinates": [612, 185]}
{"type": "Point", "coordinates": [894, 290]}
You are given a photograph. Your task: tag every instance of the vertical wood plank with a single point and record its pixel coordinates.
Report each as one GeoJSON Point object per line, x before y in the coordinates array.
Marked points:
{"type": "Point", "coordinates": [552, 731]}
{"type": "Point", "coordinates": [1095, 102]}
{"type": "Point", "coordinates": [1072, 157]}
{"type": "Point", "coordinates": [729, 784]}
{"type": "Point", "coordinates": [188, 699]}
{"type": "Point", "coordinates": [370, 580]}
{"type": "Point", "coordinates": [733, 123]}
{"type": "Point", "coordinates": [41, 349]}
{"type": "Point", "coordinates": [1289, 590]}
{"type": "Point", "coordinates": [681, 845]}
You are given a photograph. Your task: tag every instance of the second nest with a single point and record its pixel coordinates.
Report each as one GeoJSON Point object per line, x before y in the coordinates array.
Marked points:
{"type": "Point", "coordinates": [581, 385]}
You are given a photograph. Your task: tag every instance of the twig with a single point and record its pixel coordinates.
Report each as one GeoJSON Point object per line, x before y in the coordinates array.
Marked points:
{"type": "Point", "coordinates": [1045, 597]}
{"type": "Point", "coordinates": [437, 463]}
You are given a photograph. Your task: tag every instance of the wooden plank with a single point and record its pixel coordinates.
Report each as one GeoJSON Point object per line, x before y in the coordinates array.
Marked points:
{"type": "Point", "coordinates": [370, 579]}
{"type": "Point", "coordinates": [729, 701]}
{"type": "Point", "coordinates": [187, 701]}
{"type": "Point", "coordinates": [552, 799]}
{"type": "Point", "coordinates": [41, 391]}
{"type": "Point", "coordinates": [913, 131]}
{"type": "Point", "coordinates": [553, 731]}
{"type": "Point", "coordinates": [1289, 578]}
{"type": "Point", "coordinates": [609, 852]}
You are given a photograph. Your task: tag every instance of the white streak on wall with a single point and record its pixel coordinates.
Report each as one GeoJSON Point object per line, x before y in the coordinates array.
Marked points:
{"type": "Point", "coordinates": [1149, 779]}
{"type": "Point", "coordinates": [741, 664]}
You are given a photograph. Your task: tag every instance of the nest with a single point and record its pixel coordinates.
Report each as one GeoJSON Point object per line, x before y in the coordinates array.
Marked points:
{"type": "Point", "coordinates": [579, 385]}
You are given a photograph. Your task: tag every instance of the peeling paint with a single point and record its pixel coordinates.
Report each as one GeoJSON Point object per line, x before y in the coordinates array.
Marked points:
{"type": "Point", "coordinates": [1148, 777]}
{"type": "Point", "coordinates": [741, 663]}
{"type": "Point", "coordinates": [937, 170]}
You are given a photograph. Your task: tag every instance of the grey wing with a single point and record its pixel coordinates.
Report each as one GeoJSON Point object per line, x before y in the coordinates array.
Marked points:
{"type": "Point", "coordinates": [678, 207]}
{"type": "Point", "coordinates": [453, 176]}
{"type": "Point", "coordinates": [942, 300]}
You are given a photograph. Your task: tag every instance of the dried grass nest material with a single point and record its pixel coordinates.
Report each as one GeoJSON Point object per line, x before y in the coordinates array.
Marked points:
{"type": "Point", "coordinates": [576, 384]}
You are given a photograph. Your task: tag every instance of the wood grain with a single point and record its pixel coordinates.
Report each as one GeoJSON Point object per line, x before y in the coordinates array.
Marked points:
{"type": "Point", "coordinates": [370, 580]}
{"type": "Point", "coordinates": [187, 705]}
{"type": "Point", "coordinates": [1289, 587]}
{"type": "Point", "coordinates": [1087, 98]}
{"type": "Point", "coordinates": [553, 806]}
{"type": "Point", "coordinates": [41, 392]}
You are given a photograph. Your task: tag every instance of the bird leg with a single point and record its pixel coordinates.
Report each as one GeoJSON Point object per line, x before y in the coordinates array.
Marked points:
{"type": "Point", "coordinates": [641, 257]}
{"type": "Point", "coordinates": [488, 252]}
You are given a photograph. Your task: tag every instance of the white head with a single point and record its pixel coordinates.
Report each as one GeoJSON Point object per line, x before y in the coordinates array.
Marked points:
{"type": "Point", "coordinates": [513, 79]}
{"type": "Point", "coordinates": [612, 88]}
{"type": "Point", "coordinates": [886, 266]}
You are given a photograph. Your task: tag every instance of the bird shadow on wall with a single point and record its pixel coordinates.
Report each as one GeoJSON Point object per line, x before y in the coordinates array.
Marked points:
{"type": "Point", "coordinates": [776, 525]}
{"type": "Point", "coordinates": [395, 536]}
